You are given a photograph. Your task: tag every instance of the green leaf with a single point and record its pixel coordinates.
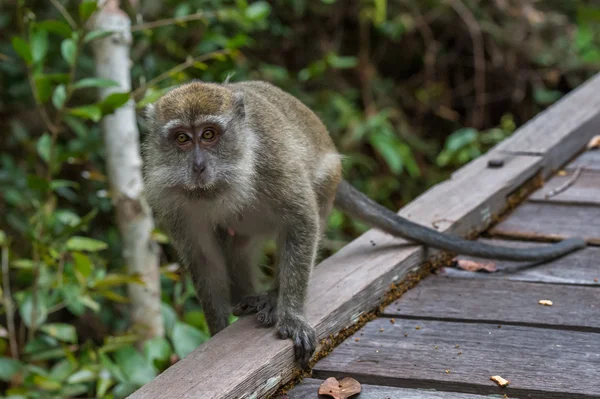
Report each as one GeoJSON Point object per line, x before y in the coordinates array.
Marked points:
{"type": "Point", "coordinates": [137, 369]}
{"type": "Point", "coordinates": [22, 48]}
{"type": "Point", "coordinates": [340, 62]}
{"type": "Point", "coordinates": [83, 375]}
{"type": "Point", "coordinates": [61, 331]}
{"type": "Point", "coordinates": [8, 368]}
{"type": "Point", "coordinates": [114, 279]}
{"type": "Point", "coordinates": [461, 138]}
{"type": "Point", "coordinates": [186, 338]}
{"type": "Point", "coordinates": [104, 383]}
{"type": "Point", "coordinates": [59, 183]}
{"type": "Point", "coordinates": [91, 112]}
{"type": "Point", "coordinates": [58, 27]}
{"type": "Point", "coordinates": [45, 383]}
{"type": "Point", "coordinates": [94, 82]}
{"type": "Point", "coordinates": [3, 240]}
{"type": "Point", "coordinates": [197, 319]}
{"type": "Point", "coordinates": [62, 370]}
{"type": "Point", "coordinates": [83, 264]}
{"type": "Point", "coordinates": [113, 101]}
{"type": "Point", "coordinates": [43, 147]}
{"type": "Point", "coordinates": [158, 351]}
{"type": "Point", "coordinates": [169, 317]}
{"type": "Point", "coordinates": [258, 10]}
{"type": "Point", "coordinates": [97, 34]}
{"type": "Point", "coordinates": [90, 303]}
{"type": "Point", "coordinates": [546, 97]}
{"type": "Point", "coordinates": [86, 9]}
{"type": "Point", "coordinates": [27, 306]}
{"type": "Point", "coordinates": [43, 87]}
{"type": "Point", "coordinates": [78, 243]}
{"type": "Point", "coordinates": [59, 96]}
{"type": "Point", "coordinates": [39, 45]}
{"type": "Point", "coordinates": [68, 49]}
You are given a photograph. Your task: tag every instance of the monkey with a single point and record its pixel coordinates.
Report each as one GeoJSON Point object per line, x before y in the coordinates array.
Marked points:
{"type": "Point", "coordinates": [228, 166]}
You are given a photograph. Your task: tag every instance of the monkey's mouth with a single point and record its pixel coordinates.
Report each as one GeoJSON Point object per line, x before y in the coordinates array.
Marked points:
{"type": "Point", "coordinates": [203, 191]}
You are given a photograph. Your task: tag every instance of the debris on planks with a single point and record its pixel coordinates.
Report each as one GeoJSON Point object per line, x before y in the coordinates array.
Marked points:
{"type": "Point", "coordinates": [499, 380]}
{"type": "Point", "coordinates": [342, 389]}
{"type": "Point", "coordinates": [594, 143]}
{"type": "Point", "coordinates": [545, 302]}
{"type": "Point", "coordinates": [472, 266]}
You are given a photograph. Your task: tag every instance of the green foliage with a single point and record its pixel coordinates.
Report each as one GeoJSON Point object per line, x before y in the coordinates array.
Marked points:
{"type": "Point", "coordinates": [393, 81]}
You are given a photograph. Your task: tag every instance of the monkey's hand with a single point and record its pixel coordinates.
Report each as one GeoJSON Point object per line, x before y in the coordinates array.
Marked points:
{"type": "Point", "coordinates": [302, 335]}
{"type": "Point", "coordinates": [264, 305]}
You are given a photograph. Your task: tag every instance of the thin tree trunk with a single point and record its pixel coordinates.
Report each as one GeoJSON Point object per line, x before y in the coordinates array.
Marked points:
{"type": "Point", "coordinates": [121, 138]}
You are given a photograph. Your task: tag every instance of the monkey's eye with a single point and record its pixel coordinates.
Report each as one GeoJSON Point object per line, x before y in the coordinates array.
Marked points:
{"type": "Point", "coordinates": [209, 134]}
{"type": "Point", "coordinates": [182, 138]}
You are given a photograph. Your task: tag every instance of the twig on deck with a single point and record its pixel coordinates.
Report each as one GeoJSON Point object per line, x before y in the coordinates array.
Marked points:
{"type": "Point", "coordinates": [565, 185]}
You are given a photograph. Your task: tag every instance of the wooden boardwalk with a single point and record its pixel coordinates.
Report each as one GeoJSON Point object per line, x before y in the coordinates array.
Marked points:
{"type": "Point", "coordinates": [447, 336]}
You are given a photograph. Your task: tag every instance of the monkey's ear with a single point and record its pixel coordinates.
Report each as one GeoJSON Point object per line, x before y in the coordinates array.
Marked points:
{"type": "Point", "coordinates": [239, 107]}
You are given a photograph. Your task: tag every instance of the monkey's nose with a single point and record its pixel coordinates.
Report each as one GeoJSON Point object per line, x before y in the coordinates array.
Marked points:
{"type": "Point", "coordinates": [199, 167]}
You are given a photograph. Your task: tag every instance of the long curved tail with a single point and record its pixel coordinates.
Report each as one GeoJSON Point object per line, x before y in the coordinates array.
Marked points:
{"type": "Point", "coordinates": [356, 204]}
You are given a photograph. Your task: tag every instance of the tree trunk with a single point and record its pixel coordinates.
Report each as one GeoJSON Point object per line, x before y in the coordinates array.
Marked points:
{"type": "Point", "coordinates": [121, 138]}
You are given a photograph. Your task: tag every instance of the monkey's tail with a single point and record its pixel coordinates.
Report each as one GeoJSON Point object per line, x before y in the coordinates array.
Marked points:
{"type": "Point", "coordinates": [357, 204]}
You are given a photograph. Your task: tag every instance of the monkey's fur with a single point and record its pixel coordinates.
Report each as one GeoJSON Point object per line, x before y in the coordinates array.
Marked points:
{"type": "Point", "coordinates": [273, 171]}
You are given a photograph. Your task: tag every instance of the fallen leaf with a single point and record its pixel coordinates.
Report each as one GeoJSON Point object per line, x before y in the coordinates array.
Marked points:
{"type": "Point", "coordinates": [594, 142]}
{"type": "Point", "coordinates": [545, 302]}
{"type": "Point", "coordinates": [472, 266]}
{"type": "Point", "coordinates": [562, 173]}
{"type": "Point", "coordinates": [499, 380]}
{"type": "Point", "coordinates": [342, 389]}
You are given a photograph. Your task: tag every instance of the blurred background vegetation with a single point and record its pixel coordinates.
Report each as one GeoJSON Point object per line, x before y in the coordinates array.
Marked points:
{"type": "Point", "coordinates": [410, 90]}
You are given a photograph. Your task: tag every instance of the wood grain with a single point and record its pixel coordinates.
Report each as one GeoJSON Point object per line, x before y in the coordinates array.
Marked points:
{"type": "Point", "coordinates": [585, 190]}
{"type": "Point", "coordinates": [551, 222]}
{"type": "Point", "coordinates": [501, 302]}
{"type": "Point", "coordinates": [309, 387]}
{"type": "Point", "coordinates": [245, 361]}
{"type": "Point", "coordinates": [539, 363]}
{"type": "Point", "coordinates": [562, 130]}
{"type": "Point", "coordinates": [580, 267]}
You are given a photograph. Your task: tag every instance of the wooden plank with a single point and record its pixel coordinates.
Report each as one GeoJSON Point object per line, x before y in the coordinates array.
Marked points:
{"type": "Point", "coordinates": [551, 222]}
{"type": "Point", "coordinates": [585, 190]}
{"type": "Point", "coordinates": [589, 160]}
{"type": "Point", "coordinates": [501, 302]}
{"type": "Point", "coordinates": [580, 267]}
{"type": "Point", "coordinates": [461, 357]}
{"type": "Point", "coordinates": [562, 130]}
{"type": "Point", "coordinates": [309, 387]}
{"type": "Point", "coordinates": [245, 361]}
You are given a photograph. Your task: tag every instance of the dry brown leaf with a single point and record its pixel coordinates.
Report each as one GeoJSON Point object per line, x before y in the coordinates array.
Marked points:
{"type": "Point", "coordinates": [472, 266]}
{"type": "Point", "coordinates": [342, 389]}
{"type": "Point", "coordinates": [545, 302]}
{"type": "Point", "coordinates": [562, 173]}
{"type": "Point", "coordinates": [499, 380]}
{"type": "Point", "coordinates": [594, 142]}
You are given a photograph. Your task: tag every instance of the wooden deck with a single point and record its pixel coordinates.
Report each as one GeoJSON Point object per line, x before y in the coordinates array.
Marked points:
{"type": "Point", "coordinates": [546, 352]}
{"type": "Point", "coordinates": [456, 329]}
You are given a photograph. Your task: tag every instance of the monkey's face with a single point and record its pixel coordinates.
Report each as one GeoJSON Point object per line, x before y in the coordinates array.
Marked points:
{"type": "Point", "coordinates": [196, 141]}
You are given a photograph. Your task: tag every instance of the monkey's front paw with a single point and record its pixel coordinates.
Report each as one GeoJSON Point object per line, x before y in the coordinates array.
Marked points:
{"type": "Point", "coordinates": [264, 305]}
{"type": "Point", "coordinates": [302, 335]}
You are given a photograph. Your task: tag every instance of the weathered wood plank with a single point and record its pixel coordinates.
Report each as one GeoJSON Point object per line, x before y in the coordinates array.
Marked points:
{"type": "Point", "coordinates": [585, 190]}
{"type": "Point", "coordinates": [580, 267]}
{"type": "Point", "coordinates": [589, 160]}
{"type": "Point", "coordinates": [501, 302]}
{"type": "Point", "coordinates": [461, 357]}
{"type": "Point", "coordinates": [552, 222]}
{"type": "Point", "coordinates": [246, 361]}
{"type": "Point", "coordinates": [562, 130]}
{"type": "Point", "coordinates": [309, 387]}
